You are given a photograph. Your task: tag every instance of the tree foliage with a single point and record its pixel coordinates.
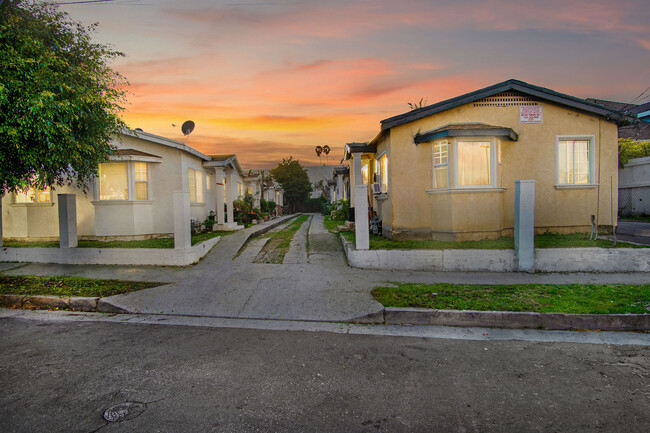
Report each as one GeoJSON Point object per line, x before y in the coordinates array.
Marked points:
{"type": "Point", "coordinates": [294, 181]}
{"type": "Point", "coordinates": [59, 100]}
{"type": "Point", "coordinates": [629, 148]}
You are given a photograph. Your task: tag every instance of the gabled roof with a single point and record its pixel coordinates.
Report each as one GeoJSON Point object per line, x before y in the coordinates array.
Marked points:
{"type": "Point", "coordinates": [225, 161]}
{"type": "Point", "coordinates": [508, 86]}
{"type": "Point", "coordinates": [165, 142]}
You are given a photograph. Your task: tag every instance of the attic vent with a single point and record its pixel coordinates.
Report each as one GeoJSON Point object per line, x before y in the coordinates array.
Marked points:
{"type": "Point", "coordinates": [507, 100]}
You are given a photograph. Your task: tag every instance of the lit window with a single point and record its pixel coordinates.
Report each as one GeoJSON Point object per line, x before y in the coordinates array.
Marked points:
{"type": "Point", "coordinates": [141, 181]}
{"type": "Point", "coordinates": [381, 168]}
{"type": "Point", "coordinates": [30, 195]}
{"type": "Point", "coordinates": [441, 164]}
{"type": "Point", "coordinates": [364, 172]}
{"type": "Point", "coordinates": [113, 184]}
{"type": "Point", "coordinates": [473, 163]}
{"type": "Point", "coordinates": [195, 182]}
{"type": "Point", "coordinates": [575, 159]}
{"type": "Point", "coordinates": [208, 182]}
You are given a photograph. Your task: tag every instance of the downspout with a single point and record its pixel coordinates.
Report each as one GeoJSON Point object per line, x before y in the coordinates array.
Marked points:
{"type": "Point", "coordinates": [598, 183]}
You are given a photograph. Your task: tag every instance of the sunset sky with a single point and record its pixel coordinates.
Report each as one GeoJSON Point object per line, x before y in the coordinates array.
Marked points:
{"type": "Point", "coordinates": [269, 79]}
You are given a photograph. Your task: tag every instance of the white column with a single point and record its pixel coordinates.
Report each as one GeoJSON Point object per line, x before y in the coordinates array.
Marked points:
{"type": "Point", "coordinates": [220, 191]}
{"type": "Point", "coordinates": [339, 186]}
{"type": "Point", "coordinates": [525, 224]}
{"type": "Point", "coordinates": [361, 217]}
{"type": "Point", "coordinates": [1, 196]}
{"type": "Point", "coordinates": [358, 176]}
{"type": "Point", "coordinates": [67, 220]}
{"type": "Point", "coordinates": [256, 194]}
{"type": "Point", "coordinates": [182, 230]}
{"type": "Point", "coordinates": [332, 194]}
{"type": "Point", "coordinates": [230, 185]}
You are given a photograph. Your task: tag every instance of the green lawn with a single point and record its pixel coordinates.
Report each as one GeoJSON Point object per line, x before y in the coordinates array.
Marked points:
{"type": "Point", "coordinates": [546, 240]}
{"type": "Point", "coordinates": [331, 224]}
{"type": "Point", "coordinates": [639, 218]}
{"type": "Point", "coordinates": [146, 243]}
{"type": "Point", "coordinates": [69, 286]}
{"type": "Point", "coordinates": [542, 298]}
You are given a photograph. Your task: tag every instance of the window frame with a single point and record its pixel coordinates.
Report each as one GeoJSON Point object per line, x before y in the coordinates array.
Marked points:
{"type": "Point", "coordinates": [136, 181]}
{"type": "Point", "coordinates": [379, 171]}
{"type": "Point", "coordinates": [36, 192]}
{"type": "Point", "coordinates": [446, 164]}
{"type": "Point", "coordinates": [591, 156]}
{"type": "Point", "coordinates": [197, 180]}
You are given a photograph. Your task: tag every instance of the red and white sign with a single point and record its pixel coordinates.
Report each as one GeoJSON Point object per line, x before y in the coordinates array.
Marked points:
{"type": "Point", "coordinates": [530, 114]}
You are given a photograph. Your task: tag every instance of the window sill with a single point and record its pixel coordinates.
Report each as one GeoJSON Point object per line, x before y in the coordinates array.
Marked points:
{"type": "Point", "coordinates": [197, 204]}
{"type": "Point", "coordinates": [577, 186]}
{"type": "Point", "coordinates": [123, 202]}
{"type": "Point", "coordinates": [50, 204]}
{"type": "Point", "coordinates": [465, 190]}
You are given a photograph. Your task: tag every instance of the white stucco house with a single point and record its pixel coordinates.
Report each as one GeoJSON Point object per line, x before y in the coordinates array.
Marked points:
{"type": "Point", "coordinates": [133, 197]}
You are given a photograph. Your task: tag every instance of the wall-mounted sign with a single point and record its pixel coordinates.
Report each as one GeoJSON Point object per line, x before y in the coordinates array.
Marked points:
{"type": "Point", "coordinates": [530, 114]}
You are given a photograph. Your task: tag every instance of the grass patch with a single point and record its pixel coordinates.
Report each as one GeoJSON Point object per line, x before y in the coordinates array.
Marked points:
{"type": "Point", "coordinates": [144, 243]}
{"type": "Point", "coordinates": [638, 218]}
{"type": "Point", "coordinates": [278, 246]}
{"type": "Point", "coordinates": [69, 286]}
{"type": "Point", "coordinates": [541, 298]}
{"type": "Point", "coordinates": [331, 224]}
{"type": "Point", "coordinates": [546, 240]}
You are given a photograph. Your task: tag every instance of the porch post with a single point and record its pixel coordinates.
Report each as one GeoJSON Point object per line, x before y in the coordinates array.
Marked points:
{"type": "Point", "coordinates": [182, 229]}
{"type": "Point", "coordinates": [230, 181]}
{"type": "Point", "coordinates": [339, 187]}
{"type": "Point", "coordinates": [67, 220]}
{"type": "Point", "coordinates": [1, 196]}
{"type": "Point", "coordinates": [361, 217]}
{"type": "Point", "coordinates": [358, 176]}
{"type": "Point", "coordinates": [525, 224]}
{"type": "Point", "coordinates": [220, 191]}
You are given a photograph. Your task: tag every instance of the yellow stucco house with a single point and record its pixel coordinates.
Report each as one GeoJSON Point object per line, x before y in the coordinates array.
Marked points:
{"type": "Point", "coordinates": [447, 171]}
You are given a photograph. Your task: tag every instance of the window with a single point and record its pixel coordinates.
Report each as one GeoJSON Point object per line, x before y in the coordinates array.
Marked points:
{"type": "Point", "coordinates": [30, 195]}
{"type": "Point", "coordinates": [364, 172]}
{"type": "Point", "coordinates": [208, 182]}
{"type": "Point", "coordinates": [113, 183]}
{"type": "Point", "coordinates": [240, 189]}
{"type": "Point", "coordinates": [141, 181]}
{"type": "Point", "coordinates": [575, 160]}
{"type": "Point", "coordinates": [195, 182]}
{"type": "Point", "coordinates": [381, 170]}
{"type": "Point", "coordinates": [441, 164]}
{"type": "Point", "coordinates": [473, 159]}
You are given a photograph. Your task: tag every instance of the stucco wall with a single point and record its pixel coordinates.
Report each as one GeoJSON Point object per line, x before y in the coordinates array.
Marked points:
{"type": "Point", "coordinates": [113, 218]}
{"type": "Point", "coordinates": [418, 213]}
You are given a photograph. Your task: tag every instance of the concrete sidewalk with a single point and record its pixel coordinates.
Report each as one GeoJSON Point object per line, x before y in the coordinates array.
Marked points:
{"type": "Point", "coordinates": [323, 289]}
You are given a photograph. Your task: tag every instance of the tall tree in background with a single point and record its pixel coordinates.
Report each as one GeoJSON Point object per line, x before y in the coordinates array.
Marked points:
{"type": "Point", "coordinates": [59, 100]}
{"type": "Point", "coordinates": [294, 180]}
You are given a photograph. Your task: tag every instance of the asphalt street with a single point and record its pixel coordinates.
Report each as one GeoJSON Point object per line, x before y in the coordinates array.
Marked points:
{"type": "Point", "coordinates": [63, 376]}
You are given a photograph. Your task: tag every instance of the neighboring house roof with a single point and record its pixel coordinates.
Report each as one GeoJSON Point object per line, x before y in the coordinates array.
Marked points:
{"type": "Point", "coordinates": [165, 142]}
{"type": "Point", "coordinates": [509, 86]}
{"type": "Point", "coordinates": [342, 169]}
{"type": "Point", "coordinates": [465, 130]}
{"type": "Point", "coordinates": [642, 111]}
{"type": "Point", "coordinates": [639, 131]}
{"type": "Point", "coordinates": [614, 104]}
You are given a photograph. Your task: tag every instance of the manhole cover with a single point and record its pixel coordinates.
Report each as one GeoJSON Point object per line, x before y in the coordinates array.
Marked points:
{"type": "Point", "coordinates": [124, 411]}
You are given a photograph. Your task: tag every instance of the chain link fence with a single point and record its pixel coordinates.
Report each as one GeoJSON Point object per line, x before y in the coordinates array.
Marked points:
{"type": "Point", "coordinates": [634, 201]}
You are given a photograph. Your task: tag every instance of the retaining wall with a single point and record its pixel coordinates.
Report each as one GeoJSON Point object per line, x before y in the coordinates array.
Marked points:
{"type": "Point", "coordinates": [546, 259]}
{"type": "Point", "coordinates": [110, 256]}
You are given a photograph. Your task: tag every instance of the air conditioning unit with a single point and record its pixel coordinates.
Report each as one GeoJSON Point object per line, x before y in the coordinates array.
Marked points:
{"type": "Point", "coordinates": [375, 188]}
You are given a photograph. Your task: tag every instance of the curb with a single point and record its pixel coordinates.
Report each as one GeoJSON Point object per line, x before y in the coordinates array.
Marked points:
{"type": "Point", "coordinates": [77, 303]}
{"type": "Point", "coordinates": [513, 319]}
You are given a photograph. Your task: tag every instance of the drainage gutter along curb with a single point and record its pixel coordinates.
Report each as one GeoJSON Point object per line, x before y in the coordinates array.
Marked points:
{"type": "Point", "coordinates": [77, 303]}
{"type": "Point", "coordinates": [514, 319]}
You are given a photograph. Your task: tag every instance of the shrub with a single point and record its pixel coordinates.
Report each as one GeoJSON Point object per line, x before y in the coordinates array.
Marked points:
{"type": "Point", "coordinates": [339, 210]}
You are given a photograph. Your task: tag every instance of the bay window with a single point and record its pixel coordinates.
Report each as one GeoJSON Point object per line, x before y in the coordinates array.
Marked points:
{"type": "Point", "coordinates": [441, 164]}
{"type": "Point", "coordinates": [465, 163]}
{"type": "Point", "coordinates": [473, 159]}
{"type": "Point", "coordinates": [121, 181]}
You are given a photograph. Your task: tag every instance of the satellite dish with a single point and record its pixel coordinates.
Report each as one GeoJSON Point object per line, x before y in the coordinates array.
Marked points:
{"type": "Point", "coordinates": [187, 127]}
